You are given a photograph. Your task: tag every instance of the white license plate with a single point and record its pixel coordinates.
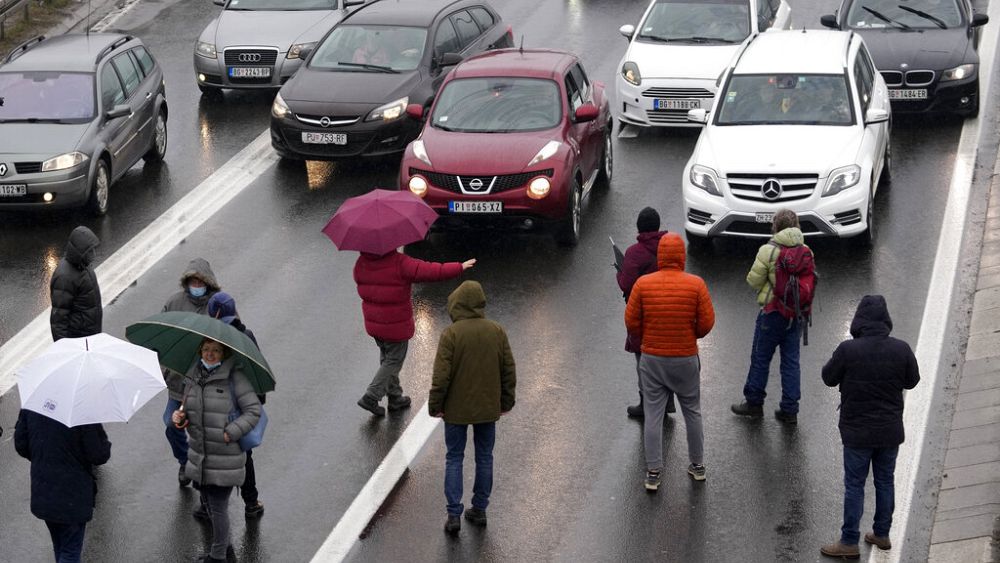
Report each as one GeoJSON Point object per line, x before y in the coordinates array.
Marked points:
{"type": "Point", "coordinates": [475, 206]}
{"type": "Point", "coordinates": [324, 138]}
{"type": "Point", "coordinates": [250, 72]}
{"type": "Point", "coordinates": [908, 94]}
{"type": "Point", "coordinates": [764, 217]}
{"type": "Point", "coordinates": [13, 190]}
{"type": "Point", "coordinates": [660, 103]}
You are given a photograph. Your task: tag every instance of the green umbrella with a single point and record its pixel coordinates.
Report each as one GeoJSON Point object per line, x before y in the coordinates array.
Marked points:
{"type": "Point", "coordinates": [175, 337]}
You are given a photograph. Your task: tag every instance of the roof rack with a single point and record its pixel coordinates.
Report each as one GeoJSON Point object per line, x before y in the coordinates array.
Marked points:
{"type": "Point", "coordinates": [20, 49]}
{"type": "Point", "coordinates": [117, 43]}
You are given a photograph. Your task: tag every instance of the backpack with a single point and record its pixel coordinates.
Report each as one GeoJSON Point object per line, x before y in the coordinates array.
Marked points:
{"type": "Point", "coordinates": [794, 286]}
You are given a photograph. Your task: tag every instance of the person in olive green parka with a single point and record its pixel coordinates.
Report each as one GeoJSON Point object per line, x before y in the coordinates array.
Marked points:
{"type": "Point", "coordinates": [473, 383]}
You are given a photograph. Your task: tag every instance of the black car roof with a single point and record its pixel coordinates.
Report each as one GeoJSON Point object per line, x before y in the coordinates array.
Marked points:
{"type": "Point", "coordinates": [67, 53]}
{"type": "Point", "coordinates": [417, 13]}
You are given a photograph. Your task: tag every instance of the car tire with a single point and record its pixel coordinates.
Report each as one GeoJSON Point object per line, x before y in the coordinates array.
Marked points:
{"type": "Point", "coordinates": [158, 146]}
{"type": "Point", "coordinates": [97, 203]}
{"type": "Point", "coordinates": [697, 244]}
{"type": "Point", "coordinates": [568, 233]}
{"type": "Point", "coordinates": [886, 178]}
{"type": "Point", "coordinates": [606, 170]}
{"type": "Point", "coordinates": [870, 234]}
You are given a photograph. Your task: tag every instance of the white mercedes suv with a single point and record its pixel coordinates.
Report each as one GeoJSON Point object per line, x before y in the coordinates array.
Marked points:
{"type": "Point", "coordinates": [801, 122]}
{"type": "Point", "coordinates": [676, 54]}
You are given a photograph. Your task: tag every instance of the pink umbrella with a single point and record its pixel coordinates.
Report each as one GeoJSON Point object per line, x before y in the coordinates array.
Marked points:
{"type": "Point", "coordinates": [380, 221]}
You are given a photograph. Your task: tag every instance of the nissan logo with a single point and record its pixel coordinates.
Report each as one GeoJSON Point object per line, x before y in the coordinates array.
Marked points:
{"type": "Point", "coordinates": [3, 169]}
{"type": "Point", "coordinates": [324, 121]}
{"type": "Point", "coordinates": [771, 189]}
{"type": "Point", "coordinates": [475, 184]}
{"type": "Point", "coordinates": [249, 57]}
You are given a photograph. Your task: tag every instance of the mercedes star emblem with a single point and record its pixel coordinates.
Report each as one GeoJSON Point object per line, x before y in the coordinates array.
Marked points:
{"type": "Point", "coordinates": [3, 169]}
{"type": "Point", "coordinates": [249, 57]}
{"type": "Point", "coordinates": [771, 189]}
{"type": "Point", "coordinates": [324, 121]}
{"type": "Point", "coordinates": [475, 184]}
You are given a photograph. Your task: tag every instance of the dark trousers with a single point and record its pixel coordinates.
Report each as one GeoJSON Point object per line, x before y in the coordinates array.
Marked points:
{"type": "Point", "coordinates": [386, 380]}
{"type": "Point", "coordinates": [883, 464]}
{"type": "Point", "coordinates": [771, 332]}
{"type": "Point", "coordinates": [67, 541]}
{"type": "Point", "coordinates": [483, 438]}
{"type": "Point", "coordinates": [177, 437]}
{"type": "Point", "coordinates": [249, 488]}
{"type": "Point", "coordinates": [216, 501]}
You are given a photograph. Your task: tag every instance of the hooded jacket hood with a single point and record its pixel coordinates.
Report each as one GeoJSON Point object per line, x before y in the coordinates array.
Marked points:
{"type": "Point", "coordinates": [79, 249]}
{"type": "Point", "coordinates": [468, 301]}
{"type": "Point", "coordinates": [792, 236]}
{"type": "Point", "coordinates": [872, 318]}
{"type": "Point", "coordinates": [670, 253]}
{"type": "Point", "coordinates": [199, 268]}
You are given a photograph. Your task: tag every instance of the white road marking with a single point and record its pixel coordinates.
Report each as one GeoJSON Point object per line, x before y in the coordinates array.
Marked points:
{"type": "Point", "coordinates": [930, 342]}
{"type": "Point", "coordinates": [113, 16]}
{"type": "Point", "coordinates": [133, 259]}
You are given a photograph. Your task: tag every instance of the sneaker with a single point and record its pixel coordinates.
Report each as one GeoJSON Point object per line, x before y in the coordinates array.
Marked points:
{"type": "Point", "coordinates": [371, 406]}
{"type": "Point", "coordinates": [201, 513]}
{"type": "Point", "coordinates": [746, 409]}
{"type": "Point", "coordinates": [453, 525]}
{"type": "Point", "coordinates": [841, 551]}
{"type": "Point", "coordinates": [476, 516]}
{"type": "Point", "coordinates": [652, 482]}
{"type": "Point", "coordinates": [697, 471]}
{"type": "Point", "coordinates": [399, 403]}
{"type": "Point", "coordinates": [786, 417]}
{"type": "Point", "coordinates": [182, 479]}
{"type": "Point", "coordinates": [635, 411]}
{"type": "Point", "coordinates": [881, 542]}
{"type": "Point", "coordinates": [255, 510]}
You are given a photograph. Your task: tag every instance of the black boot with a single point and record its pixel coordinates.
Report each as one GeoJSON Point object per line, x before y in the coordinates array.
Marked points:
{"type": "Point", "coordinates": [635, 411]}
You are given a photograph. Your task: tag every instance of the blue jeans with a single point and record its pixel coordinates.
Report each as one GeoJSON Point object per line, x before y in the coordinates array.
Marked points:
{"type": "Point", "coordinates": [67, 541]}
{"type": "Point", "coordinates": [483, 437]}
{"type": "Point", "coordinates": [177, 437]}
{"type": "Point", "coordinates": [773, 331]}
{"type": "Point", "coordinates": [856, 462]}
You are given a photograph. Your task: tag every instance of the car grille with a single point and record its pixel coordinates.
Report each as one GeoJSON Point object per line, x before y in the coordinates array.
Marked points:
{"type": "Point", "coordinates": [667, 115]}
{"type": "Point", "coordinates": [740, 227]}
{"type": "Point", "coordinates": [684, 93]}
{"type": "Point", "coordinates": [749, 186]}
{"type": "Point", "coordinates": [335, 120]}
{"type": "Point", "coordinates": [500, 183]}
{"type": "Point", "coordinates": [919, 77]}
{"type": "Point", "coordinates": [267, 57]}
{"type": "Point", "coordinates": [893, 78]}
{"type": "Point", "coordinates": [28, 167]}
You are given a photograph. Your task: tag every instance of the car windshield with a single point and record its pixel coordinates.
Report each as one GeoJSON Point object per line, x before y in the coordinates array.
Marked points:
{"type": "Point", "coordinates": [371, 48]}
{"type": "Point", "coordinates": [904, 15]}
{"type": "Point", "coordinates": [46, 96]}
{"type": "Point", "coordinates": [790, 99]}
{"type": "Point", "coordinates": [697, 21]}
{"type": "Point", "coordinates": [498, 105]}
{"type": "Point", "coordinates": [281, 5]}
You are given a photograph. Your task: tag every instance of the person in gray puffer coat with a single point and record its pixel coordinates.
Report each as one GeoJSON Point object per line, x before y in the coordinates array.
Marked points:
{"type": "Point", "coordinates": [75, 294]}
{"type": "Point", "coordinates": [216, 463]}
{"type": "Point", "coordinates": [198, 285]}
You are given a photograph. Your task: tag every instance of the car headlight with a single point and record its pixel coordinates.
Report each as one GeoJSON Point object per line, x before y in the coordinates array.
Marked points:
{"type": "Point", "coordinates": [420, 151]}
{"type": "Point", "coordinates": [64, 161]}
{"type": "Point", "coordinates": [205, 49]}
{"type": "Point", "coordinates": [630, 72]}
{"type": "Point", "coordinates": [279, 108]}
{"type": "Point", "coordinates": [294, 50]}
{"type": "Point", "coordinates": [958, 73]}
{"type": "Point", "coordinates": [841, 179]}
{"type": "Point", "coordinates": [389, 111]}
{"type": "Point", "coordinates": [418, 186]}
{"type": "Point", "coordinates": [539, 187]}
{"type": "Point", "coordinates": [546, 152]}
{"type": "Point", "coordinates": [705, 178]}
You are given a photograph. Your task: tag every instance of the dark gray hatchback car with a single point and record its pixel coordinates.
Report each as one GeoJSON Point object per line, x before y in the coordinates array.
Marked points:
{"type": "Point", "coordinates": [76, 112]}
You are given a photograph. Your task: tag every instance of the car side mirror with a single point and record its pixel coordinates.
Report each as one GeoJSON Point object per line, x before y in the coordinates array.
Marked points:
{"type": "Point", "coordinates": [304, 53]}
{"type": "Point", "coordinates": [698, 115]}
{"type": "Point", "coordinates": [350, 3]}
{"type": "Point", "coordinates": [449, 59]}
{"type": "Point", "coordinates": [979, 19]}
{"type": "Point", "coordinates": [121, 110]}
{"type": "Point", "coordinates": [586, 112]}
{"type": "Point", "coordinates": [874, 115]}
{"type": "Point", "coordinates": [829, 20]}
{"type": "Point", "coordinates": [627, 31]}
{"type": "Point", "coordinates": [219, 2]}
{"type": "Point", "coordinates": [416, 111]}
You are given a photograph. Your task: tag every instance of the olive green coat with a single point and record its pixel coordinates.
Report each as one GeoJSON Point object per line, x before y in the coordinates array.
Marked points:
{"type": "Point", "coordinates": [474, 374]}
{"type": "Point", "coordinates": [761, 276]}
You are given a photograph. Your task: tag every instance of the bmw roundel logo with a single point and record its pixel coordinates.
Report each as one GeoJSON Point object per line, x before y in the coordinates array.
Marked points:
{"type": "Point", "coordinates": [3, 168]}
{"type": "Point", "coordinates": [771, 189]}
{"type": "Point", "coordinates": [324, 121]}
{"type": "Point", "coordinates": [475, 184]}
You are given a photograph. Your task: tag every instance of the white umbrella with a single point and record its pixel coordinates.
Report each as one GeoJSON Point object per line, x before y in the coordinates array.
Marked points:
{"type": "Point", "coordinates": [90, 380]}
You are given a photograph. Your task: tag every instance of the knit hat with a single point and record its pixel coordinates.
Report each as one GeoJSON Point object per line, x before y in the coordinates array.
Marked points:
{"type": "Point", "coordinates": [649, 220]}
{"type": "Point", "coordinates": [222, 306]}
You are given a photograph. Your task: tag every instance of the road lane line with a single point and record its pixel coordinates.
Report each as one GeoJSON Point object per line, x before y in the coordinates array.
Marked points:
{"type": "Point", "coordinates": [347, 531]}
{"type": "Point", "coordinates": [930, 342]}
{"type": "Point", "coordinates": [113, 16]}
{"type": "Point", "coordinates": [133, 259]}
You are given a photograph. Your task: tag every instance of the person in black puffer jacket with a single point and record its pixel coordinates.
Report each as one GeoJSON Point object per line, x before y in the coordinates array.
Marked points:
{"type": "Point", "coordinates": [75, 294]}
{"type": "Point", "coordinates": [872, 371]}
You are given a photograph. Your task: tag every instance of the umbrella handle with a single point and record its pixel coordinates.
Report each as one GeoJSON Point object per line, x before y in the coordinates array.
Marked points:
{"type": "Point", "coordinates": [184, 424]}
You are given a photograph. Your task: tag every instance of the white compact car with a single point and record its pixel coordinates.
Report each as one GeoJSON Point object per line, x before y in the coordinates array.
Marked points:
{"type": "Point", "coordinates": [679, 49]}
{"type": "Point", "coordinates": [802, 122]}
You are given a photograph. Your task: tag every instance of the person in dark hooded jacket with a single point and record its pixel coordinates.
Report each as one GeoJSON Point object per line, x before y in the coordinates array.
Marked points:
{"type": "Point", "coordinates": [74, 291]}
{"type": "Point", "coordinates": [872, 371]}
{"type": "Point", "coordinates": [198, 285]}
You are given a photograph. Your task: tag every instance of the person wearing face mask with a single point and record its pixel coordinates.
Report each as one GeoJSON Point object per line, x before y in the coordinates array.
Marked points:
{"type": "Point", "coordinates": [74, 291]}
{"type": "Point", "coordinates": [198, 285]}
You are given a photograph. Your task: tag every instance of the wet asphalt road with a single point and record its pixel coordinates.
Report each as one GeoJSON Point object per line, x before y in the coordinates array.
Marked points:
{"type": "Point", "coordinates": [568, 462]}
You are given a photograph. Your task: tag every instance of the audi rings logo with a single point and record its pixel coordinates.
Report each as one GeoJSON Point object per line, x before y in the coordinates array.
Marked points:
{"type": "Point", "coordinates": [324, 121]}
{"type": "Point", "coordinates": [475, 184]}
{"type": "Point", "coordinates": [249, 57]}
{"type": "Point", "coordinates": [770, 189]}
{"type": "Point", "coordinates": [3, 169]}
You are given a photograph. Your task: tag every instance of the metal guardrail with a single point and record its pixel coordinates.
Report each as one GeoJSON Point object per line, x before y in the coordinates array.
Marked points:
{"type": "Point", "coordinates": [10, 9]}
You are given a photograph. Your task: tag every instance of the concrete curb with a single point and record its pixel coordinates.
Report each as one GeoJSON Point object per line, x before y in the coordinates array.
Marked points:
{"type": "Point", "coordinates": [77, 21]}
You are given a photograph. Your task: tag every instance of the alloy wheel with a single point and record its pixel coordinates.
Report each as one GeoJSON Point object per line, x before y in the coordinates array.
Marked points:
{"type": "Point", "coordinates": [100, 189]}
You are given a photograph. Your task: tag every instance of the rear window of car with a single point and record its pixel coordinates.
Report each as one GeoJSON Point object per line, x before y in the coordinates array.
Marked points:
{"type": "Point", "coordinates": [912, 14]}
{"type": "Point", "coordinates": [58, 96]}
{"type": "Point", "coordinates": [786, 99]}
{"type": "Point", "coordinates": [483, 16]}
{"type": "Point", "coordinates": [364, 48]}
{"type": "Point", "coordinates": [696, 21]}
{"type": "Point", "coordinates": [498, 105]}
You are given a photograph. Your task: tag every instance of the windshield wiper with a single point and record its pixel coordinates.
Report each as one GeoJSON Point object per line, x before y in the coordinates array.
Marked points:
{"type": "Point", "coordinates": [694, 39]}
{"type": "Point", "coordinates": [882, 17]}
{"type": "Point", "coordinates": [938, 22]}
{"type": "Point", "coordinates": [379, 68]}
{"type": "Point", "coordinates": [35, 120]}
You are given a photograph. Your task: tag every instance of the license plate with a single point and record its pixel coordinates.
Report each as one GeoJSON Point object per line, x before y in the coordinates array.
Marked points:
{"type": "Point", "coordinates": [324, 138]}
{"type": "Point", "coordinates": [660, 103]}
{"type": "Point", "coordinates": [764, 217]}
{"type": "Point", "coordinates": [250, 72]}
{"type": "Point", "coordinates": [13, 190]}
{"type": "Point", "coordinates": [475, 206]}
{"type": "Point", "coordinates": [908, 94]}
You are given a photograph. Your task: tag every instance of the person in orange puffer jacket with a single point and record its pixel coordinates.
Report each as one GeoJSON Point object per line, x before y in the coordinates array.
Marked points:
{"type": "Point", "coordinates": [670, 310]}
